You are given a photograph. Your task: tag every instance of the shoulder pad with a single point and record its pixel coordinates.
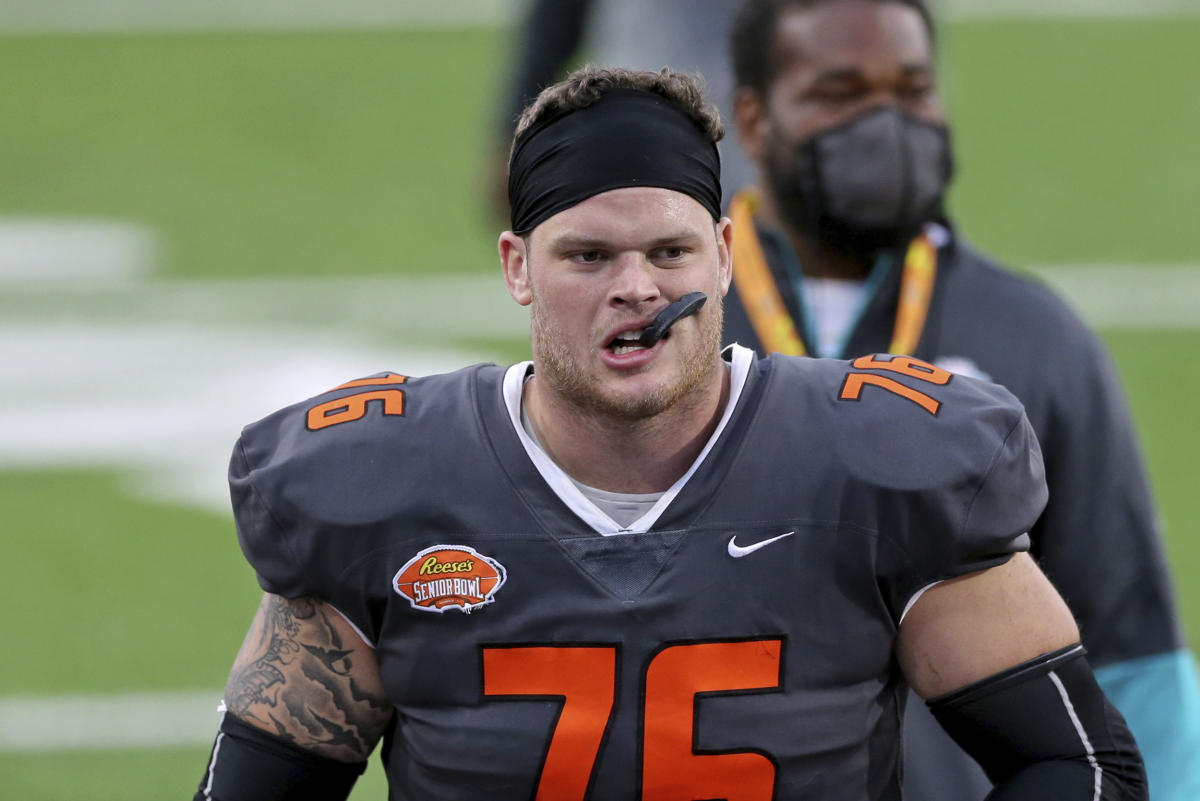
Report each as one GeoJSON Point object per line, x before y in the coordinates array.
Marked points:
{"type": "Point", "coordinates": [314, 483]}
{"type": "Point", "coordinates": [944, 467]}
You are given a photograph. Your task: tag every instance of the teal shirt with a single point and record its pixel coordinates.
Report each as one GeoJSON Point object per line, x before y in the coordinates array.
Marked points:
{"type": "Point", "coordinates": [1160, 698]}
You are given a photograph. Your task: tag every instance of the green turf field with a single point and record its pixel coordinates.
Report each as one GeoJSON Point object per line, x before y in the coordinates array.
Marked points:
{"type": "Point", "coordinates": [340, 154]}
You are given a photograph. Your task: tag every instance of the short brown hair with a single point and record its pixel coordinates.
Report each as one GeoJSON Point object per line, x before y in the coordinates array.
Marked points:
{"type": "Point", "coordinates": [586, 85]}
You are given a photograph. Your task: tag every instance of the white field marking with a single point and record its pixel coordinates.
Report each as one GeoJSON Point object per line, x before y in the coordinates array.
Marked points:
{"type": "Point", "coordinates": [126, 720]}
{"type": "Point", "coordinates": [1158, 296]}
{"type": "Point", "coordinates": [59, 249]}
{"type": "Point", "coordinates": [157, 379]}
{"type": "Point", "coordinates": [167, 400]}
{"type": "Point", "coordinates": [432, 309]}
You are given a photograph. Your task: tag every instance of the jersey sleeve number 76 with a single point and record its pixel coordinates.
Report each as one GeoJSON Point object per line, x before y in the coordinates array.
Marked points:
{"type": "Point", "coordinates": [852, 387]}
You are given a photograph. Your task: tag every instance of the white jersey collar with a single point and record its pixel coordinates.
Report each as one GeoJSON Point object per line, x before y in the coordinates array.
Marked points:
{"type": "Point", "coordinates": [738, 361]}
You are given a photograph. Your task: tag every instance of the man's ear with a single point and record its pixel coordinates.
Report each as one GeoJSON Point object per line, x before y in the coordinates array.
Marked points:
{"type": "Point", "coordinates": [725, 235]}
{"type": "Point", "coordinates": [750, 118]}
{"type": "Point", "coordinates": [514, 260]}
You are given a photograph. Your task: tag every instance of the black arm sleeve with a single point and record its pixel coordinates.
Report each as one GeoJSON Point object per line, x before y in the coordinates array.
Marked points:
{"type": "Point", "coordinates": [249, 764]}
{"type": "Point", "coordinates": [1043, 730]}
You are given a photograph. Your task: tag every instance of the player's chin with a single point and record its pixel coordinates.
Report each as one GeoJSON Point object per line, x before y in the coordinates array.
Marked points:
{"type": "Point", "coordinates": [636, 407]}
{"type": "Point", "coordinates": [645, 394]}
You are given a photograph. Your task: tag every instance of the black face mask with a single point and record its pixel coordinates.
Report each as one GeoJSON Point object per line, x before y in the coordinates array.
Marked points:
{"type": "Point", "coordinates": [867, 185]}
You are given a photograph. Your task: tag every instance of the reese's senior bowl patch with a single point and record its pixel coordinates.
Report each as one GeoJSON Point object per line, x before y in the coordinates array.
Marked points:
{"type": "Point", "coordinates": [445, 577]}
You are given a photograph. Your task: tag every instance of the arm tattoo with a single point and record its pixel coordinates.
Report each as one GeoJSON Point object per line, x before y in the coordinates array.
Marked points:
{"type": "Point", "coordinates": [297, 678]}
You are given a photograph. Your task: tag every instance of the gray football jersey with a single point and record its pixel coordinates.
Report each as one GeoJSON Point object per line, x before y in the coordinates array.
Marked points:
{"type": "Point", "coordinates": [740, 648]}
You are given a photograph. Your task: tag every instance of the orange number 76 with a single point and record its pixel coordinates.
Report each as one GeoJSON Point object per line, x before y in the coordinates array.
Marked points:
{"type": "Point", "coordinates": [852, 387]}
{"type": "Point", "coordinates": [354, 407]}
{"type": "Point", "coordinates": [585, 678]}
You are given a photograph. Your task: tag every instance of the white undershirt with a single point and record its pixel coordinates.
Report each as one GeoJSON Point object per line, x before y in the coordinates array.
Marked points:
{"type": "Point", "coordinates": [834, 304]}
{"type": "Point", "coordinates": [593, 505]}
{"type": "Point", "coordinates": [622, 507]}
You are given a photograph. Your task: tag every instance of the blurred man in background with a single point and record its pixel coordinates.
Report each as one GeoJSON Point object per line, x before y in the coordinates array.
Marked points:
{"type": "Point", "coordinates": [844, 248]}
{"type": "Point", "coordinates": [688, 35]}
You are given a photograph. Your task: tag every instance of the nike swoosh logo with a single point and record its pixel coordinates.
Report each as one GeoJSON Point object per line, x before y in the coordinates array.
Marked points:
{"type": "Point", "coordinates": [738, 551]}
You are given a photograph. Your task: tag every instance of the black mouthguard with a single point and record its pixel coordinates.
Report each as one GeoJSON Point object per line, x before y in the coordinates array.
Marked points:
{"type": "Point", "coordinates": [688, 304]}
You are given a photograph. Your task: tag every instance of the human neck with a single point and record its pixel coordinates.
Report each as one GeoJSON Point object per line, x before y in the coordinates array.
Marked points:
{"type": "Point", "coordinates": [817, 259]}
{"type": "Point", "coordinates": [621, 454]}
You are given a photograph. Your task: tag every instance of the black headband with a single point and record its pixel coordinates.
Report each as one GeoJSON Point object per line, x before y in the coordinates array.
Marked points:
{"type": "Point", "coordinates": [626, 138]}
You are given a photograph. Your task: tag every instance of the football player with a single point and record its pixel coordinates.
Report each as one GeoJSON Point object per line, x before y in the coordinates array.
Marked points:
{"type": "Point", "coordinates": [639, 566]}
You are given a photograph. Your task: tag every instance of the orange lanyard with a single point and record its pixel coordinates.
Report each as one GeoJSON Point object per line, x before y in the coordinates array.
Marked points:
{"type": "Point", "coordinates": [769, 316]}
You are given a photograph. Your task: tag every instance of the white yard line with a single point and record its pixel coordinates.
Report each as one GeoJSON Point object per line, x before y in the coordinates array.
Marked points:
{"type": "Point", "coordinates": [157, 378]}
{"type": "Point", "coordinates": [126, 720]}
{"type": "Point", "coordinates": [73, 249]}
{"type": "Point", "coordinates": [436, 310]}
{"type": "Point", "coordinates": [1149, 296]}
{"type": "Point", "coordinates": [165, 401]}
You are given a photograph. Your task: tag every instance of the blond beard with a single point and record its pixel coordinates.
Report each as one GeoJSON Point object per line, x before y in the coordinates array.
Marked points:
{"type": "Point", "coordinates": [563, 374]}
